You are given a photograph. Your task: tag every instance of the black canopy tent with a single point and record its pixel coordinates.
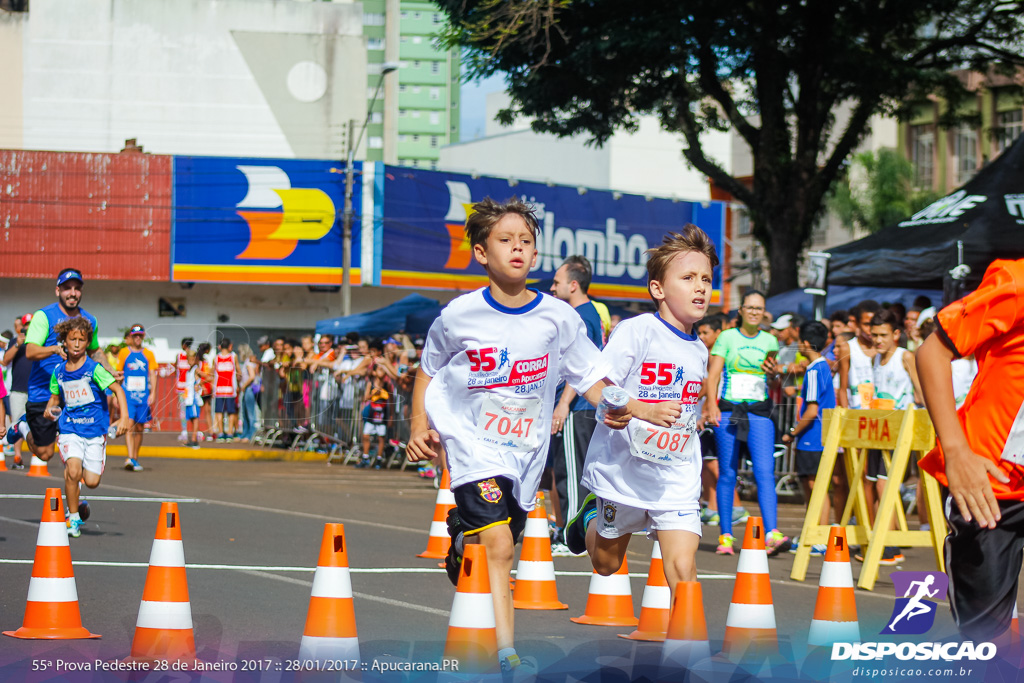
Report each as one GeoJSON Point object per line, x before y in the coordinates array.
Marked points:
{"type": "Point", "coordinates": [949, 244]}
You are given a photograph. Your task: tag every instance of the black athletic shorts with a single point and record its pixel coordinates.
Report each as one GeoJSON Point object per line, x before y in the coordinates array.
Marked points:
{"type": "Point", "coordinates": [489, 503]}
{"type": "Point", "coordinates": [807, 462]}
{"type": "Point", "coordinates": [44, 431]}
{"type": "Point", "coordinates": [874, 468]}
{"type": "Point", "coordinates": [707, 445]}
{"type": "Point", "coordinates": [983, 566]}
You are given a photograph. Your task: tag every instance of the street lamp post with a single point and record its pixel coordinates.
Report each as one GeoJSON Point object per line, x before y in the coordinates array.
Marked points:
{"type": "Point", "coordinates": [346, 234]}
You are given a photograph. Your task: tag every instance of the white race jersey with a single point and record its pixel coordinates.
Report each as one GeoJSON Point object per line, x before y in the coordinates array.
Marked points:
{"type": "Point", "coordinates": [494, 373]}
{"type": "Point", "coordinates": [892, 380]}
{"type": "Point", "coordinates": [646, 466]}
{"type": "Point", "coordinates": [860, 379]}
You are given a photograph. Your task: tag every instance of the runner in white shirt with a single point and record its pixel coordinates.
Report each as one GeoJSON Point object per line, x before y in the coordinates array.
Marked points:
{"type": "Point", "coordinates": [485, 389]}
{"type": "Point", "coordinates": [647, 477]}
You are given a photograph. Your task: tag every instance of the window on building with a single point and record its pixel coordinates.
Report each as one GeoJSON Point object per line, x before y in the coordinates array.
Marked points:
{"type": "Point", "coordinates": [403, 138]}
{"type": "Point", "coordinates": [417, 40]}
{"type": "Point", "coordinates": [373, 19]}
{"type": "Point", "coordinates": [416, 15]}
{"type": "Point", "coordinates": [415, 138]}
{"type": "Point", "coordinates": [404, 39]}
{"type": "Point", "coordinates": [416, 64]}
{"type": "Point", "coordinates": [402, 112]}
{"type": "Point", "coordinates": [416, 90]}
{"type": "Point", "coordinates": [374, 43]}
{"type": "Point", "coordinates": [405, 15]}
{"type": "Point", "coordinates": [433, 141]}
{"type": "Point", "coordinates": [375, 142]}
{"type": "Point", "coordinates": [435, 67]}
{"type": "Point", "coordinates": [742, 222]}
{"type": "Point", "coordinates": [415, 114]}
{"type": "Point", "coordinates": [435, 118]}
{"type": "Point", "coordinates": [374, 67]}
{"type": "Point", "coordinates": [433, 166]}
{"type": "Point", "coordinates": [377, 117]}
{"type": "Point", "coordinates": [922, 154]}
{"type": "Point", "coordinates": [402, 88]}
{"type": "Point", "coordinates": [965, 147]}
{"type": "Point", "coordinates": [1010, 124]}
{"type": "Point", "coordinates": [435, 93]}
{"type": "Point", "coordinates": [437, 18]}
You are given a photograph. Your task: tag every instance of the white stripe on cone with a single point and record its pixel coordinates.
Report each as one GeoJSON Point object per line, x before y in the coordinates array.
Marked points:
{"type": "Point", "coordinates": [836, 575]}
{"type": "Point", "coordinates": [752, 562]}
{"type": "Point", "coordinates": [52, 534]}
{"type": "Point", "coordinates": [750, 616]}
{"type": "Point", "coordinates": [438, 529]}
{"type": "Point", "coordinates": [321, 649]}
{"type": "Point", "coordinates": [332, 582]}
{"type": "Point", "coordinates": [472, 610]}
{"type": "Point", "coordinates": [613, 584]}
{"type": "Point", "coordinates": [42, 589]}
{"type": "Point", "coordinates": [531, 570]}
{"type": "Point", "coordinates": [657, 597]}
{"type": "Point", "coordinates": [37, 462]}
{"type": "Point", "coordinates": [165, 615]}
{"type": "Point", "coordinates": [536, 528]}
{"type": "Point", "coordinates": [167, 553]}
{"type": "Point", "coordinates": [828, 632]}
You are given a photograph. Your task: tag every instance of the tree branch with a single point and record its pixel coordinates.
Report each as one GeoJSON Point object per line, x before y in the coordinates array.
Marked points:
{"type": "Point", "coordinates": [712, 85]}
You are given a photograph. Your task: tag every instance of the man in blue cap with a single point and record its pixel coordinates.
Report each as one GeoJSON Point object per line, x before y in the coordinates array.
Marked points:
{"type": "Point", "coordinates": [43, 349]}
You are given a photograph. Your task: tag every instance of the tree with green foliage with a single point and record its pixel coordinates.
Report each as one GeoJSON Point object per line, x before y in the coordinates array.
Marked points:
{"type": "Point", "coordinates": [797, 81]}
{"type": "Point", "coordinates": [877, 191]}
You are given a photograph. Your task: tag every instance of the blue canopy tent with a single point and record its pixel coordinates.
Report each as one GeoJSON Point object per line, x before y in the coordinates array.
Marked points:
{"type": "Point", "coordinates": [387, 320]}
{"type": "Point", "coordinates": [418, 324]}
{"type": "Point", "coordinates": [844, 297]}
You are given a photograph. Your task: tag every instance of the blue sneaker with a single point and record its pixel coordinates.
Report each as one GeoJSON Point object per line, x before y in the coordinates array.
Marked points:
{"type": "Point", "coordinates": [13, 434]}
{"type": "Point", "coordinates": [576, 530]}
{"type": "Point", "coordinates": [75, 527]}
{"type": "Point", "coordinates": [453, 560]}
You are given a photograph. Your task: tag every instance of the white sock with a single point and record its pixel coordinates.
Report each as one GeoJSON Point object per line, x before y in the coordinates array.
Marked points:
{"type": "Point", "coordinates": [75, 515]}
{"type": "Point", "coordinates": [23, 429]}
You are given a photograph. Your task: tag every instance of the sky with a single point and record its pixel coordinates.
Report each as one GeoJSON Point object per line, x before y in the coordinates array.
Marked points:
{"type": "Point", "coordinates": [474, 106]}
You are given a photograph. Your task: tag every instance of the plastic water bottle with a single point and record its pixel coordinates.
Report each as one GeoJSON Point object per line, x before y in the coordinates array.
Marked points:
{"type": "Point", "coordinates": [56, 411]}
{"type": "Point", "coordinates": [112, 432]}
{"type": "Point", "coordinates": [612, 397]}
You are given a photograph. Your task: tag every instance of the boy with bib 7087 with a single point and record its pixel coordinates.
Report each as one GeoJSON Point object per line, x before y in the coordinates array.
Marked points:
{"type": "Point", "coordinates": [647, 477]}
{"type": "Point", "coordinates": [485, 391]}
{"type": "Point", "coordinates": [80, 382]}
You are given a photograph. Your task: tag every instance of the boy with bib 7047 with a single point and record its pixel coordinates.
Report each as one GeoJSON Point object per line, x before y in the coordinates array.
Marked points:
{"type": "Point", "coordinates": [79, 383]}
{"type": "Point", "coordinates": [647, 477]}
{"type": "Point", "coordinates": [485, 391]}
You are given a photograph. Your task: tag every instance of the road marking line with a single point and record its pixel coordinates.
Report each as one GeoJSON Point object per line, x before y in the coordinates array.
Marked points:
{"type": "Point", "coordinates": [128, 499]}
{"type": "Point", "coordinates": [18, 521]}
{"type": "Point", "coordinates": [361, 596]}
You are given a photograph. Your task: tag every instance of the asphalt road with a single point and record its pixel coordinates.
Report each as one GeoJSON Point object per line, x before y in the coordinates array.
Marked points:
{"type": "Point", "coordinates": [251, 536]}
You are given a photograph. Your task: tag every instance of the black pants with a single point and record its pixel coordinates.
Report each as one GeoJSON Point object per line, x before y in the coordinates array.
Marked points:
{"type": "Point", "coordinates": [983, 565]}
{"type": "Point", "coordinates": [568, 469]}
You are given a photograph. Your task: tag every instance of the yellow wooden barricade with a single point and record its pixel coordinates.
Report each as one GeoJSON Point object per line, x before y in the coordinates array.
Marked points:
{"type": "Point", "coordinates": [897, 435]}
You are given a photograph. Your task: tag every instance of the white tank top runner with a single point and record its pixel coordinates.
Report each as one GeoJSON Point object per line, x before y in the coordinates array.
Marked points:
{"type": "Point", "coordinates": [860, 378]}
{"type": "Point", "coordinates": [893, 381]}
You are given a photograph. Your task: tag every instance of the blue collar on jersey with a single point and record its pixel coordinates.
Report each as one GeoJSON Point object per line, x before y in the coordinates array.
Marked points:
{"type": "Point", "coordinates": [501, 308]}
{"type": "Point", "coordinates": [676, 331]}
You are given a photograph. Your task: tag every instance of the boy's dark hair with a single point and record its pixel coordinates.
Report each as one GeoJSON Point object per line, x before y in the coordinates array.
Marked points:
{"type": "Point", "coordinates": [79, 322]}
{"type": "Point", "coordinates": [487, 212]}
{"type": "Point", "coordinates": [867, 306]}
{"type": "Point", "coordinates": [7, 333]}
{"type": "Point", "coordinates": [690, 238]}
{"type": "Point", "coordinates": [579, 269]}
{"type": "Point", "coordinates": [377, 344]}
{"type": "Point", "coordinates": [922, 302]}
{"type": "Point", "coordinates": [225, 344]}
{"type": "Point", "coordinates": [714, 321]}
{"type": "Point", "coordinates": [814, 334]}
{"type": "Point", "coordinates": [186, 342]}
{"type": "Point", "coordinates": [886, 317]}
{"type": "Point", "coordinates": [839, 316]}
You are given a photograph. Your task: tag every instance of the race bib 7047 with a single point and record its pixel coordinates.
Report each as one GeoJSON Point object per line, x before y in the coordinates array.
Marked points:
{"type": "Point", "coordinates": [509, 424]}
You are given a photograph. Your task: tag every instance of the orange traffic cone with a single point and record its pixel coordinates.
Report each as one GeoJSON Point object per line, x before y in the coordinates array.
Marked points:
{"type": "Point", "coordinates": [535, 574]}
{"type": "Point", "coordinates": [686, 642]}
{"type": "Point", "coordinates": [751, 618]}
{"type": "Point", "coordinates": [3, 462]}
{"type": "Point", "coordinates": [655, 607]}
{"type": "Point", "coordinates": [610, 600]}
{"type": "Point", "coordinates": [835, 612]}
{"type": "Point", "coordinates": [472, 640]}
{"type": "Point", "coordinates": [439, 540]}
{"type": "Point", "coordinates": [164, 628]}
{"type": "Point", "coordinates": [52, 608]}
{"type": "Point", "coordinates": [330, 632]}
{"type": "Point", "coordinates": [38, 468]}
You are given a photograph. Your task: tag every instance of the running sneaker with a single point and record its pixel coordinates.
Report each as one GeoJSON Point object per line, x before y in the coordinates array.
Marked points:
{"type": "Point", "coordinates": [132, 465]}
{"type": "Point", "coordinates": [775, 542]}
{"type": "Point", "coordinates": [725, 542]}
{"type": "Point", "coordinates": [891, 556]}
{"type": "Point", "coordinates": [13, 435]}
{"type": "Point", "coordinates": [17, 464]}
{"type": "Point", "coordinates": [84, 510]}
{"type": "Point", "coordinates": [75, 527]}
{"type": "Point", "coordinates": [739, 515]}
{"type": "Point", "coordinates": [560, 550]}
{"type": "Point", "coordinates": [576, 530]}
{"type": "Point", "coordinates": [192, 444]}
{"type": "Point", "coordinates": [183, 436]}
{"type": "Point", "coordinates": [818, 550]}
{"type": "Point", "coordinates": [453, 560]}
{"type": "Point", "coordinates": [709, 517]}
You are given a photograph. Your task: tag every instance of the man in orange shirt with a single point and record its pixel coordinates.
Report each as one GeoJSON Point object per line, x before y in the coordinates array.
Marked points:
{"type": "Point", "coordinates": [980, 451]}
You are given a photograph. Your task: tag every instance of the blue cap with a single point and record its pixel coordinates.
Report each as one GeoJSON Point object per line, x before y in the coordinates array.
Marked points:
{"type": "Point", "coordinates": [391, 340]}
{"type": "Point", "coordinates": [69, 274]}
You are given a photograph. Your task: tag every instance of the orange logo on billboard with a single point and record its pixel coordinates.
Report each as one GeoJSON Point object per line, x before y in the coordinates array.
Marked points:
{"type": "Point", "coordinates": [279, 216]}
{"type": "Point", "coordinates": [460, 208]}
